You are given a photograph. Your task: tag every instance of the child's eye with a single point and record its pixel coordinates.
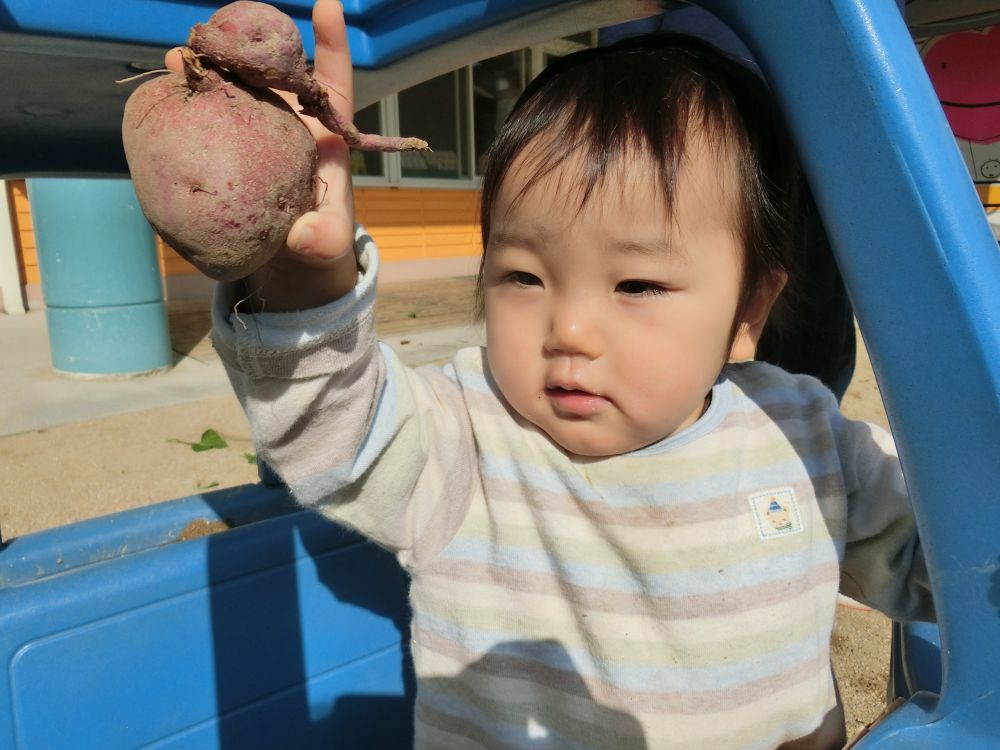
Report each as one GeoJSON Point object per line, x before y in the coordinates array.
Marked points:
{"type": "Point", "coordinates": [640, 288]}
{"type": "Point", "coordinates": [523, 278]}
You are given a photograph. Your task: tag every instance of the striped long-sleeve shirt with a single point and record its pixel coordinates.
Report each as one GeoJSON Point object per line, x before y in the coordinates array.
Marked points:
{"type": "Point", "coordinates": [679, 596]}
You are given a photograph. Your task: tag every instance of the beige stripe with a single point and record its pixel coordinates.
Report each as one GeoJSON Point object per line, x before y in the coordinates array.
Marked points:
{"type": "Point", "coordinates": [633, 639]}
{"type": "Point", "coordinates": [700, 606]}
{"type": "Point", "coordinates": [540, 615]}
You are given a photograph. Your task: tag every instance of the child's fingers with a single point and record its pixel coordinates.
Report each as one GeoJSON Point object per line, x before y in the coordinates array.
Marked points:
{"type": "Point", "coordinates": [172, 61]}
{"type": "Point", "coordinates": [332, 62]}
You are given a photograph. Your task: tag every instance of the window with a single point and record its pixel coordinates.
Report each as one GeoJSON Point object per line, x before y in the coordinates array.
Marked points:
{"type": "Point", "coordinates": [496, 85]}
{"type": "Point", "coordinates": [437, 111]}
{"type": "Point", "coordinates": [368, 163]}
{"type": "Point", "coordinates": [458, 113]}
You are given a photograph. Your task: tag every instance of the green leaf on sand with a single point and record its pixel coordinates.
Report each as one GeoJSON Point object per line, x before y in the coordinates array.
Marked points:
{"type": "Point", "coordinates": [209, 439]}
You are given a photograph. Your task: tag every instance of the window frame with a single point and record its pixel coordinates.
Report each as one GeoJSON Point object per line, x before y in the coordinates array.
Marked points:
{"type": "Point", "coordinates": [392, 169]}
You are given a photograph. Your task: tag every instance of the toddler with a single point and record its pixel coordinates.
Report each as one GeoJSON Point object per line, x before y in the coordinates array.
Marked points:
{"type": "Point", "coordinates": [621, 531]}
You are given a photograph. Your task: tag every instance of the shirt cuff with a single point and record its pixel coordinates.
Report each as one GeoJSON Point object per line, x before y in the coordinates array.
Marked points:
{"type": "Point", "coordinates": [298, 344]}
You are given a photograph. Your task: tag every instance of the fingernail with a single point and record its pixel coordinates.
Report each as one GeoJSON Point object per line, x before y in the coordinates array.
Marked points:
{"type": "Point", "coordinates": [305, 241]}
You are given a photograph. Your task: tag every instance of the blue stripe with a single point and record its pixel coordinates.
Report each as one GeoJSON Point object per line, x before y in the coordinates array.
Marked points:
{"type": "Point", "coordinates": [673, 585]}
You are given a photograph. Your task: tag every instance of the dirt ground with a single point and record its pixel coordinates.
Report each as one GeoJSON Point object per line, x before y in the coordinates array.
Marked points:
{"type": "Point", "coordinates": [84, 469]}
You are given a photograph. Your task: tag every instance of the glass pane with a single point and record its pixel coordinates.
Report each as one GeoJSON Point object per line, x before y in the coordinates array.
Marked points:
{"type": "Point", "coordinates": [368, 163]}
{"type": "Point", "coordinates": [496, 84]}
{"type": "Point", "coordinates": [437, 111]}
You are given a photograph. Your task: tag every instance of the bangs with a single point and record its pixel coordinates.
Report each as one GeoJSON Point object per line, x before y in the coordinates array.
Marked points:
{"type": "Point", "coordinates": [606, 107]}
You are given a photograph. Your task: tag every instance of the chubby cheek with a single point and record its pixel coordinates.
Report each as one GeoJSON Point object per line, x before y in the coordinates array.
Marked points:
{"type": "Point", "coordinates": [667, 372]}
{"type": "Point", "coordinates": [513, 352]}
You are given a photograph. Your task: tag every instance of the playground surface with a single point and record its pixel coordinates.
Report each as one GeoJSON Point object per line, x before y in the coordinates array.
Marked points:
{"type": "Point", "coordinates": [74, 448]}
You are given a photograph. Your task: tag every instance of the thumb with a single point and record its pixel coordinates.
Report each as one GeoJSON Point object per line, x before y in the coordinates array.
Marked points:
{"type": "Point", "coordinates": [318, 237]}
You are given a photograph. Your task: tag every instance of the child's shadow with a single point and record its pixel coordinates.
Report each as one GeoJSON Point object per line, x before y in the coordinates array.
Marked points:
{"type": "Point", "coordinates": [517, 675]}
{"type": "Point", "coordinates": [309, 637]}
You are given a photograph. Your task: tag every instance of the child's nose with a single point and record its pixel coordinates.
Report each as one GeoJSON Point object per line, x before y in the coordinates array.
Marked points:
{"type": "Point", "coordinates": [574, 329]}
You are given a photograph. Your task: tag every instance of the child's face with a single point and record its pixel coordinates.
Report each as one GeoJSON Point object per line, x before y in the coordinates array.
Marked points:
{"type": "Point", "coordinates": [607, 325]}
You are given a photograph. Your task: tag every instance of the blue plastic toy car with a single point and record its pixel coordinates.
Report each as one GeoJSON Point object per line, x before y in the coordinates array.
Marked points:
{"type": "Point", "coordinates": [289, 632]}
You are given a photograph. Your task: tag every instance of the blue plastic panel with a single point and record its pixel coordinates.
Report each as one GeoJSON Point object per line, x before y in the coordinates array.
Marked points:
{"type": "Point", "coordinates": [285, 631]}
{"type": "Point", "coordinates": [916, 665]}
{"type": "Point", "coordinates": [380, 31]}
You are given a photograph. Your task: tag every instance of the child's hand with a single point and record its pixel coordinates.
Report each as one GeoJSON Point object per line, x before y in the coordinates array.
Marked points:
{"type": "Point", "coordinates": [328, 232]}
{"type": "Point", "coordinates": [317, 264]}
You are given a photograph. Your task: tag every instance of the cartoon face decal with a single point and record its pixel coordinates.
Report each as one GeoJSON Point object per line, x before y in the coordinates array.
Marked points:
{"type": "Point", "coordinates": [990, 169]}
{"type": "Point", "coordinates": [965, 70]}
{"type": "Point", "coordinates": [776, 512]}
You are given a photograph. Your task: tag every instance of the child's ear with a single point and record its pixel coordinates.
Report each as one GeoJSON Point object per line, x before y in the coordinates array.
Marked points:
{"type": "Point", "coordinates": [755, 316]}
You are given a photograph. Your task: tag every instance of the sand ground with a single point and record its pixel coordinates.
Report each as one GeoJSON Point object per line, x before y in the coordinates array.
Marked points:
{"type": "Point", "coordinates": [83, 469]}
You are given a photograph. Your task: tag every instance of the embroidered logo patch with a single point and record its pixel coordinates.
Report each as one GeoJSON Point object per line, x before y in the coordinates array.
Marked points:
{"type": "Point", "coordinates": [776, 512]}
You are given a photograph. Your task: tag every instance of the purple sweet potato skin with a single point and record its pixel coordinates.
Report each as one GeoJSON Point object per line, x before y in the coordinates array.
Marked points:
{"type": "Point", "coordinates": [255, 41]}
{"type": "Point", "coordinates": [221, 174]}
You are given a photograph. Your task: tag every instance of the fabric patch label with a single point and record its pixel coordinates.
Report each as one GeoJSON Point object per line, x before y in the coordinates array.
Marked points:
{"type": "Point", "coordinates": [776, 512]}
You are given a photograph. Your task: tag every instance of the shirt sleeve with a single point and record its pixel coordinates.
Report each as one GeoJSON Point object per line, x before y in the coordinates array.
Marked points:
{"type": "Point", "coordinates": [357, 435]}
{"type": "Point", "coordinates": [883, 564]}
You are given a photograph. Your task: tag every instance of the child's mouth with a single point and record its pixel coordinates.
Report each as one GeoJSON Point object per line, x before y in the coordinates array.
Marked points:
{"type": "Point", "coordinates": [574, 402]}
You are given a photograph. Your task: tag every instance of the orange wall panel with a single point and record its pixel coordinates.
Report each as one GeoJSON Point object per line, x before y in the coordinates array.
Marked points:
{"type": "Point", "coordinates": [406, 223]}
{"type": "Point", "coordinates": [27, 258]}
{"type": "Point", "coordinates": [420, 223]}
{"type": "Point", "coordinates": [989, 194]}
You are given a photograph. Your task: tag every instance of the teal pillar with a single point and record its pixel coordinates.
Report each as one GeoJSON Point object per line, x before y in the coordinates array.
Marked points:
{"type": "Point", "coordinates": [100, 277]}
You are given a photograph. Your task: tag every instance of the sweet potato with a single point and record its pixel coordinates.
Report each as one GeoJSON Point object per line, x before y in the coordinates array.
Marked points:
{"type": "Point", "coordinates": [222, 166]}
{"type": "Point", "coordinates": [221, 173]}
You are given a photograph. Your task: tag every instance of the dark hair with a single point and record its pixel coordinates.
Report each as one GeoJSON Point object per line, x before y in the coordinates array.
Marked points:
{"type": "Point", "coordinates": [645, 95]}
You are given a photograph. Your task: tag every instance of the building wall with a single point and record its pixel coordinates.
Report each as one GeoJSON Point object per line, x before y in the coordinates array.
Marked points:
{"type": "Point", "coordinates": [27, 258]}
{"type": "Point", "coordinates": [421, 233]}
